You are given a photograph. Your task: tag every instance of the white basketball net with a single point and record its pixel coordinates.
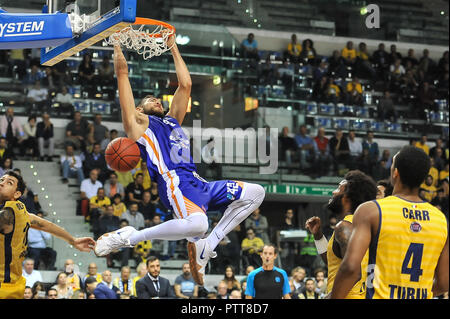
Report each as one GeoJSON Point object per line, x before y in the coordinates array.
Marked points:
{"type": "Point", "coordinates": [142, 41]}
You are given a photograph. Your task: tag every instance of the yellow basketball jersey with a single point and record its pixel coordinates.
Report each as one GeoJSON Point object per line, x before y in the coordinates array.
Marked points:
{"type": "Point", "coordinates": [359, 289]}
{"type": "Point", "coordinates": [404, 253]}
{"type": "Point", "coordinates": [13, 246]}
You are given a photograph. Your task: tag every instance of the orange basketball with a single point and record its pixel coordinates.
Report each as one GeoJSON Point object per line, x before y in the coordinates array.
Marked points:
{"type": "Point", "coordinates": [122, 154]}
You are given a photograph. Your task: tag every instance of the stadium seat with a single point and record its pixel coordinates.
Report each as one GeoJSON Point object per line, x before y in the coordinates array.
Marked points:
{"type": "Point", "coordinates": [311, 107]}
{"type": "Point", "coordinates": [377, 126]}
{"type": "Point", "coordinates": [362, 112]}
{"type": "Point", "coordinates": [82, 106]}
{"type": "Point", "coordinates": [358, 125]}
{"type": "Point", "coordinates": [442, 105]}
{"type": "Point", "coordinates": [341, 123]}
{"type": "Point", "coordinates": [101, 107]}
{"type": "Point", "coordinates": [328, 109]}
{"type": "Point", "coordinates": [325, 122]}
{"type": "Point", "coordinates": [394, 127]}
{"type": "Point", "coordinates": [340, 108]}
{"type": "Point", "coordinates": [277, 91]}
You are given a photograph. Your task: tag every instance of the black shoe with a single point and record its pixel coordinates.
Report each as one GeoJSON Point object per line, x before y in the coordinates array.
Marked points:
{"type": "Point", "coordinates": [65, 180]}
{"type": "Point", "coordinates": [49, 159]}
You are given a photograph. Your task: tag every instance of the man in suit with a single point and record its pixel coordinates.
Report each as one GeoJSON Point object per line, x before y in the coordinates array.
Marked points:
{"type": "Point", "coordinates": [152, 285]}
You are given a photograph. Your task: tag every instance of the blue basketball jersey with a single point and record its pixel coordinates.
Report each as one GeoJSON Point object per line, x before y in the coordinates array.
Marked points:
{"type": "Point", "coordinates": [166, 149]}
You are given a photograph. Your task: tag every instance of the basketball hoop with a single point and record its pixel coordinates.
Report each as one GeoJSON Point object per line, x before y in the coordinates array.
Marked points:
{"type": "Point", "coordinates": [146, 43]}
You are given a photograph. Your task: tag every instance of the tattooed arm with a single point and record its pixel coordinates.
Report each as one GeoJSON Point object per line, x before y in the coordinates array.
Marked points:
{"type": "Point", "coordinates": [342, 236]}
{"type": "Point", "coordinates": [6, 220]}
{"type": "Point", "coordinates": [82, 244]}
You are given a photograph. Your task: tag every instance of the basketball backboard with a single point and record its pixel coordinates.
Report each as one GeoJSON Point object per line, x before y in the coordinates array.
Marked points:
{"type": "Point", "coordinates": [91, 21]}
{"type": "Point", "coordinates": [95, 8]}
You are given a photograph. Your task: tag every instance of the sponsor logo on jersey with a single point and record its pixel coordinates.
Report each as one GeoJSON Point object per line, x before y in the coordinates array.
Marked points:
{"type": "Point", "coordinates": [415, 227]}
{"type": "Point", "coordinates": [180, 141]}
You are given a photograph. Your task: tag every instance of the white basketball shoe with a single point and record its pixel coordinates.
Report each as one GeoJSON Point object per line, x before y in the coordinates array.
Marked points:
{"type": "Point", "coordinates": [114, 240]}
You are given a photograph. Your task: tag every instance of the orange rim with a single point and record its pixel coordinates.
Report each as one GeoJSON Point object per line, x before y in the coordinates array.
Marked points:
{"type": "Point", "coordinates": [146, 21]}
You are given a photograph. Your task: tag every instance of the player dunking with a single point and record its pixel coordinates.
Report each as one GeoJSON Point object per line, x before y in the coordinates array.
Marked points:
{"type": "Point", "coordinates": [355, 189]}
{"type": "Point", "coordinates": [407, 239]}
{"type": "Point", "coordinates": [161, 139]}
{"type": "Point", "coordinates": [14, 224]}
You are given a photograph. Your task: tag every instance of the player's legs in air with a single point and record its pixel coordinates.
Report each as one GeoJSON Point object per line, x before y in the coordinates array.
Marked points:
{"type": "Point", "coordinates": [190, 199]}
{"type": "Point", "coordinates": [238, 200]}
{"type": "Point", "coordinates": [190, 219]}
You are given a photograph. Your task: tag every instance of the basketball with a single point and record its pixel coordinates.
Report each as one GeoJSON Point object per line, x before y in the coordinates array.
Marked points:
{"type": "Point", "coordinates": [122, 154]}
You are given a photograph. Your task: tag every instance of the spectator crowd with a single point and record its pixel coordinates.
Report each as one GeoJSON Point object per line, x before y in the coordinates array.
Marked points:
{"type": "Point", "coordinates": [148, 283]}
{"type": "Point", "coordinates": [322, 156]}
{"type": "Point", "coordinates": [418, 82]}
{"type": "Point", "coordinates": [53, 87]}
{"type": "Point", "coordinates": [342, 76]}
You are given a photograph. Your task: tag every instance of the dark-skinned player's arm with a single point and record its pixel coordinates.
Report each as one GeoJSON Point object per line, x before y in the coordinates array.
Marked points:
{"type": "Point", "coordinates": [313, 224]}
{"type": "Point", "coordinates": [350, 269]}
{"type": "Point", "coordinates": [181, 97]}
{"type": "Point", "coordinates": [440, 284]}
{"type": "Point", "coordinates": [134, 123]}
{"type": "Point", "coordinates": [85, 244]}
{"type": "Point", "coordinates": [342, 235]}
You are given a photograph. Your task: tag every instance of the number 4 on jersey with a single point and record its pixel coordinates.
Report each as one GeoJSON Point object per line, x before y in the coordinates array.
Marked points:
{"type": "Point", "coordinates": [415, 251]}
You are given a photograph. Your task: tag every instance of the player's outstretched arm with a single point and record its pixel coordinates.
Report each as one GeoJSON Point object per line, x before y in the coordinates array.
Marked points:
{"type": "Point", "coordinates": [350, 269]}
{"type": "Point", "coordinates": [132, 122]}
{"type": "Point", "coordinates": [85, 244]}
{"type": "Point", "coordinates": [440, 284]}
{"type": "Point", "coordinates": [181, 97]}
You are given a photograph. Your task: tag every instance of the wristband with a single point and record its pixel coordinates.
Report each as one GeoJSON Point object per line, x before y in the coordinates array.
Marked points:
{"type": "Point", "coordinates": [321, 245]}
